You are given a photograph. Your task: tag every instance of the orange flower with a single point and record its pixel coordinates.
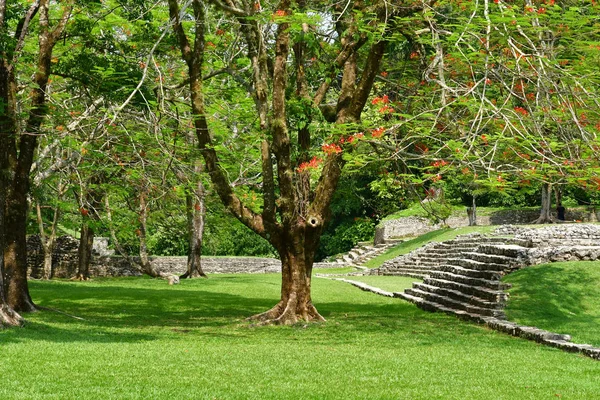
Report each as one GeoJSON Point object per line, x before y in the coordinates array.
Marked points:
{"type": "Point", "coordinates": [378, 132]}
{"type": "Point", "coordinates": [331, 148]}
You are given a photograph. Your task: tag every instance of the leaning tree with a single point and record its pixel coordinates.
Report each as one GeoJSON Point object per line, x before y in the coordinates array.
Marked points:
{"type": "Point", "coordinates": [310, 68]}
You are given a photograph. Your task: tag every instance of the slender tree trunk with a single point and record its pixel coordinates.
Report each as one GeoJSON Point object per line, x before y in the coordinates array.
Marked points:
{"type": "Point", "coordinates": [145, 263]}
{"type": "Point", "coordinates": [195, 210]}
{"type": "Point", "coordinates": [84, 252]}
{"type": "Point", "coordinates": [472, 212]}
{"type": "Point", "coordinates": [48, 241]}
{"type": "Point", "coordinates": [545, 212]}
{"type": "Point", "coordinates": [143, 220]}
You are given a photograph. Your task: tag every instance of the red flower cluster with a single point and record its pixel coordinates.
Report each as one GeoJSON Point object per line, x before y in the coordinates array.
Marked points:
{"type": "Point", "coordinates": [378, 132]}
{"type": "Point", "coordinates": [381, 100]}
{"type": "Point", "coordinates": [312, 164]}
{"type": "Point", "coordinates": [522, 111]}
{"type": "Point", "coordinates": [386, 109]}
{"type": "Point", "coordinates": [280, 13]}
{"type": "Point", "coordinates": [351, 139]}
{"type": "Point", "coordinates": [439, 163]}
{"type": "Point", "coordinates": [332, 148]}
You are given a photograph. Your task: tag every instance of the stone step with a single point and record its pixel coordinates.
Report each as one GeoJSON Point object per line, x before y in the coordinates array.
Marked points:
{"type": "Point", "coordinates": [429, 259]}
{"type": "Point", "coordinates": [432, 306]}
{"type": "Point", "coordinates": [416, 275]}
{"type": "Point", "coordinates": [444, 252]}
{"type": "Point", "coordinates": [406, 269]}
{"type": "Point", "coordinates": [419, 262]}
{"type": "Point", "coordinates": [353, 254]}
{"type": "Point", "coordinates": [455, 304]}
{"type": "Point", "coordinates": [472, 264]}
{"type": "Point", "coordinates": [490, 258]}
{"type": "Point", "coordinates": [473, 273]}
{"type": "Point", "coordinates": [460, 296]}
{"type": "Point", "coordinates": [478, 291]}
{"type": "Point", "coordinates": [508, 250]}
{"type": "Point", "coordinates": [496, 285]}
{"type": "Point", "coordinates": [455, 246]}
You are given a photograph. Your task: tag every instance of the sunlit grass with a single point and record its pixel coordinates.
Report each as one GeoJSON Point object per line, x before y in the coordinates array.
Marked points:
{"type": "Point", "coordinates": [143, 339]}
{"type": "Point", "coordinates": [560, 297]}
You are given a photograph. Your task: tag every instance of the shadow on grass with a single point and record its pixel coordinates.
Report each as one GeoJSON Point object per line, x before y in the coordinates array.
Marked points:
{"type": "Point", "coordinates": [122, 312]}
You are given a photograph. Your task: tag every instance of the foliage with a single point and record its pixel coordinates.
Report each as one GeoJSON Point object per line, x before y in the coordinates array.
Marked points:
{"type": "Point", "coordinates": [346, 235]}
{"type": "Point", "coordinates": [166, 342]}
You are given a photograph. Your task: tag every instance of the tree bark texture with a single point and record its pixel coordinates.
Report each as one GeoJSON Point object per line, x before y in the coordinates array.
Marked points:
{"type": "Point", "coordinates": [21, 146]}
{"type": "Point", "coordinates": [195, 211]}
{"type": "Point", "coordinates": [472, 212]}
{"type": "Point", "coordinates": [546, 216]}
{"type": "Point", "coordinates": [84, 251]}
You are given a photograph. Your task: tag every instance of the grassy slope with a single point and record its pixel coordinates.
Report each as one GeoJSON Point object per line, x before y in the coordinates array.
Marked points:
{"type": "Point", "coordinates": [561, 297]}
{"type": "Point", "coordinates": [439, 235]}
{"type": "Point", "coordinates": [142, 339]}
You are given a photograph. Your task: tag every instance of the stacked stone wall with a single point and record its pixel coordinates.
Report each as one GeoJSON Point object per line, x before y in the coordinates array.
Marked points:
{"type": "Point", "coordinates": [415, 226]}
{"type": "Point", "coordinates": [64, 262]}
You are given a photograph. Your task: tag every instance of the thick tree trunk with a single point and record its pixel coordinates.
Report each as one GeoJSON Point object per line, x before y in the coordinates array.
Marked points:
{"type": "Point", "coordinates": [15, 252]}
{"type": "Point", "coordinates": [545, 212]}
{"type": "Point", "coordinates": [8, 317]}
{"type": "Point", "coordinates": [296, 303]}
{"type": "Point", "coordinates": [19, 165]}
{"type": "Point", "coordinates": [84, 252]}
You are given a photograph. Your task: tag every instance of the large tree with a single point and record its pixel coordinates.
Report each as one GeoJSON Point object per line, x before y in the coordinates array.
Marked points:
{"type": "Point", "coordinates": [18, 142]}
{"type": "Point", "coordinates": [344, 50]}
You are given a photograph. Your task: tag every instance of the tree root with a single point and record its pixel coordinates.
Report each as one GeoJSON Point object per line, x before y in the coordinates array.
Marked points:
{"type": "Point", "coordinates": [288, 313]}
{"type": "Point", "coordinates": [9, 317]}
{"type": "Point", "coordinates": [193, 275]}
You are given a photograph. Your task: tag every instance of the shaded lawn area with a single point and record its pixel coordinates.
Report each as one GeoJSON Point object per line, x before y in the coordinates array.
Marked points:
{"type": "Point", "coordinates": [142, 339]}
{"type": "Point", "coordinates": [560, 297]}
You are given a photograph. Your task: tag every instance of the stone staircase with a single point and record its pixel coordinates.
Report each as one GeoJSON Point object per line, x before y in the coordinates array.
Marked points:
{"type": "Point", "coordinates": [436, 257]}
{"type": "Point", "coordinates": [364, 252]}
{"type": "Point", "coordinates": [460, 276]}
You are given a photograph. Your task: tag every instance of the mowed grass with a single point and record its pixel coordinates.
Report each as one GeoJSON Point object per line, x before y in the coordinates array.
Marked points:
{"type": "Point", "coordinates": [560, 297]}
{"type": "Point", "coordinates": [142, 339]}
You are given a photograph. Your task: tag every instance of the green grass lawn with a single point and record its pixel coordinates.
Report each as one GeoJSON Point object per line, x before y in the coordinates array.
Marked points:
{"type": "Point", "coordinates": [439, 235]}
{"type": "Point", "coordinates": [142, 339]}
{"type": "Point", "coordinates": [560, 297]}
